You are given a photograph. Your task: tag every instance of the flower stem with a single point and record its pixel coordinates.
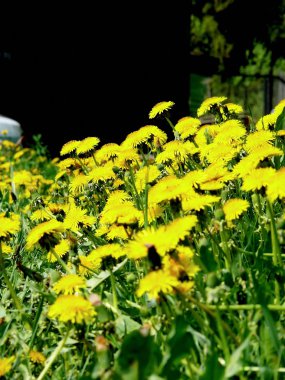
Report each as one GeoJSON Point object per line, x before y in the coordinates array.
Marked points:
{"type": "Point", "coordinates": [114, 291]}
{"type": "Point", "coordinates": [15, 298]}
{"type": "Point", "coordinates": [53, 356]}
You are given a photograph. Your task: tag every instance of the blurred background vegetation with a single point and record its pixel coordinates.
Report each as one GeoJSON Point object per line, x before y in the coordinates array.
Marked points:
{"type": "Point", "coordinates": [237, 50]}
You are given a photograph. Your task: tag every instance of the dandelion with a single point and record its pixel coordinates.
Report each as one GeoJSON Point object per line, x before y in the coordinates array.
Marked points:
{"type": "Point", "coordinates": [157, 282]}
{"type": "Point", "coordinates": [276, 185]}
{"type": "Point", "coordinates": [76, 216]}
{"type": "Point", "coordinates": [37, 357]}
{"type": "Point", "coordinates": [209, 103]}
{"type": "Point", "coordinates": [198, 202]}
{"type": "Point", "coordinates": [257, 178]}
{"type": "Point", "coordinates": [145, 135]}
{"type": "Point", "coordinates": [88, 265]}
{"type": "Point", "coordinates": [278, 109]}
{"type": "Point", "coordinates": [6, 365]}
{"type": "Point", "coordinates": [126, 158]}
{"type": "Point", "coordinates": [145, 175]}
{"type": "Point", "coordinates": [233, 108]}
{"type": "Point", "coordinates": [78, 183]}
{"type": "Point", "coordinates": [160, 108]}
{"type": "Point", "coordinates": [60, 249]}
{"type": "Point", "coordinates": [233, 208]}
{"type": "Point", "coordinates": [266, 122]}
{"type": "Point", "coordinates": [4, 132]}
{"type": "Point", "coordinates": [126, 214]}
{"type": "Point", "coordinates": [187, 126]}
{"type": "Point", "coordinates": [107, 152]}
{"type": "Point", "coordinates": [87, 145]}
{"type": "Point", "coordinates": [72, 308]}
{"type": "Point", "coordinates": [114, 250]}
{"type": "Point", "coordinates": [257, 139]}
{"type": "Point", "coordinates": [69, 284]}
{"type": "Point", "coordinates": [46, 228]}
{"type": "Point", "coordinates": [101, 173]}
{"type": "Point", "coordinates": [176, 151]}
{"type": "Point", "coordinates": [69, 147]}
{"type": "Point", "coordinates": [9, 225]}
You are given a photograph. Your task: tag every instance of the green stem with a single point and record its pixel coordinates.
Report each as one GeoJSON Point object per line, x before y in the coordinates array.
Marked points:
{"type": "Point", "coordinates": [59, 259]}
{"type": "Point", "coordinates": [248, 307]}
{"type": "Point", "coordinates": [53, 356]}
{"type": "Point", "coordinates": [114, 291]}
{"type": "Point", "coordinates": [209, 309]}
{"type": "Point", "coordinates": [225, 247]}
{"type": "Point", "coordinates": [36, 323]}
{"type": "Point", "coordinates": [277, 260]}
{"type": "Point", "coordinates": [15, 298]}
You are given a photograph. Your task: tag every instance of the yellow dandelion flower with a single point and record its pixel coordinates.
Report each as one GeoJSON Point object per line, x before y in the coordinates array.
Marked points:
{"type": "Point", "coordinates": [4, 132]}
{"type": "Point", "coordinates": [276, 185]}
{"type": "Point", "coordinates": [126, 158]}
{"type": "Point", "coordinates": [101, 173]}
{"type": "Point", "coordinates": [187, 126]}
{"type": "Point", "coordinates": [41, 214]}
{"type": "Point", "coordinates": [46, 228]}
{"type": "Point", "coordinates": [257, 178]}
{"type": "Point", "coordinates": [6, 365]}
{"type": "Point", "coordinates": [69, 147]}
{"type": "Point", "coordinates": [107, 152]}
{"type": "Point", "coordinates": [6, 248]}
{"type": "Point", "coordinates": [69, 284]}
{"type": "Point", "coordinates": [207, 104]}
{"type": "Point", "coordinates": [246, 165]}
{"type": "Point", "coordinates": [160, 108]}
{"type": "Point", "coordinates": [72, 308]}
{"type": "Point", "coordinates": [37, 357]}
{"type": "Point", "coordinates": [258, 138]}
{"type": "Point", "coordinates": [146, 174]}
{"type": "Point", "coordinates": [8, 144]}
{"type": "Point", "coordinates": [165, 189]}
{"type": "Point", "coordinates": [76, 216]}
{"type": "Point", "coordinates": [176, 231]}
{"type": "Point", "coordinates": [78, 183]}
{"type": "Point", "coordinates": [266, 151]}
{"type": "Point", "coordinates": [145, 135]}
{"type": "Point", "coordinates": [218, 151]}
{"type": "Point", "coordinates": [126, 214]}
{"type": "Point", "coordinates": [60, 249]}
{"type": "Point", "coordinates": [87, 145]}
{"type": "Point", "coordinates": [9, 225]}
{"type": "Point", "coordinates": [116, 232]}
{"type": "Point", "coordinates": [157, 282]}
{"type": "Point", "coordinates": [176, 151]}
{"type": "Point", "coordinates": [233, 208]}
{"type": "Point", "coordinates": [66, 163]}
{"type": "Point", "coordinates": [115, 250]}
{"type": "Point", "coordinates": [87, 266]}
{"type": "Point", "coordinates": [198, 202]}
{"type": "Point", "coordinates": [278, 109]}
{"type": "Point", "coordinates": [138, 248]}
{"type": "Point", "coordinates": [230, 131]}
{"type": "Point", "coordinates": [233, 108]}
{"type": "Point", "coordinates": [266, 122]}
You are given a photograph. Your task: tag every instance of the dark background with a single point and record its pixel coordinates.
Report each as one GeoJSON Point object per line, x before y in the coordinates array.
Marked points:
{"type": "Point", "coordinates": [82, 71]}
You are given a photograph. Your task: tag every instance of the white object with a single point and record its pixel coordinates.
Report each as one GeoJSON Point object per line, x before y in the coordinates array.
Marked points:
{"type": "Point", "coordinates": [10, 129]}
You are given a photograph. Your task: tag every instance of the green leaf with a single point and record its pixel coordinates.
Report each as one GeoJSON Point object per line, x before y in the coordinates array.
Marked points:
{"type": "Point", "coordinates": [213, 368]}
{"type": "Point", "coordinates": [235, 365]}
{"type": "Point", "coordinates": [124, 325]}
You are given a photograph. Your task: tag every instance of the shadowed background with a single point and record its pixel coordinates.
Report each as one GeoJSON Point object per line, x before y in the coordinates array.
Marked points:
{"type": "Point", "coordinates": [85, 71]}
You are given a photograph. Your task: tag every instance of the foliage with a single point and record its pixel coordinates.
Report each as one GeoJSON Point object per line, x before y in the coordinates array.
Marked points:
{"type": "Point", "coordinates": [152, 259]}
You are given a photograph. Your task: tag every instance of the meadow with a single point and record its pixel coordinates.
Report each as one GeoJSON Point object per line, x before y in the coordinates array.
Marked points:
{"type": "Point", "coordinates": [158, 258]}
